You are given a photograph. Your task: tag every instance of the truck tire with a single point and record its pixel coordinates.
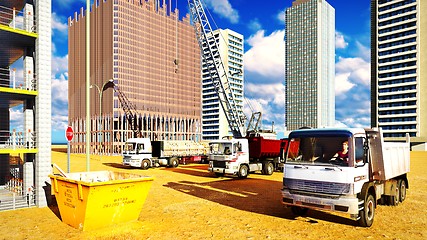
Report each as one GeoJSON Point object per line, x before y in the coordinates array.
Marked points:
{"type": "Point", "coordinates": [367, 212]}
{"type": "Point", "coordinates": [402, 190]}
{"type": "Point", "coordinates": [174, 162]}
{"type": "Point", "coordinates": [145, 164]}
{"type": "Point", "coordinates": [395, 199]}
{"type": "Point", "coordinates": [299, 211]}
{"type": "Point", "coordinates": [268, 168]}
{"type": "Point", "coordinates": [243, 171]}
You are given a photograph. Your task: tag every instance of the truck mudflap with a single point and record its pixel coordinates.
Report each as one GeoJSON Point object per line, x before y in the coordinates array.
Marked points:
{"type": "Point", "coordinates": [348, 205]}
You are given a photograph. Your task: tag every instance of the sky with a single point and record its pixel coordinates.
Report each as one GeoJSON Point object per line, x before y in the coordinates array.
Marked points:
{"type": "Point", "coordinates": [263, 27]}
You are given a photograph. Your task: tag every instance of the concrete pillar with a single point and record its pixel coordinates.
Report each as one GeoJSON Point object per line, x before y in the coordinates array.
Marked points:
{"type": "Point", "coordinates": [43, 112]}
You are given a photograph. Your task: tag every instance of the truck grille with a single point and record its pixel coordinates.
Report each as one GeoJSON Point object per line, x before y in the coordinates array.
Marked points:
{"type": "Point", "coordinates": [317, 186]}
{"type": "Point", "coordinates": [219, 164]}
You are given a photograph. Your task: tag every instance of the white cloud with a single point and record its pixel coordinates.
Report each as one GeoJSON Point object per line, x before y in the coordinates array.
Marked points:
{"type": "Point", "coordinates": [255, 25]}
{"type": "Point", "coordinates": [358, 69]}
{"type": "Point", "coordinates": [16, 114]}
{"type": "Point", "coordinates": [269, 99]}
{"type": "Point", "coordinates": [340, 41]}
{"type": "Point", "coordinates": [342, 83]}
{"type": "Point", "coordinates": [281, 16]}
{"type": "Point", "coordinates": [268, 93]}
{"type": "Point", "coordinates": [59, 103]}
{"type": "Point", "coordinates": [59, 24]}
{"type": "Point", "coordinates": [224, 9]}
{"type": "Point", "coordinates": [59, 65]}
{"type": "Point", "coordinates": [364, 52]}
{"type": "Point", "coordinates": [267, 54]}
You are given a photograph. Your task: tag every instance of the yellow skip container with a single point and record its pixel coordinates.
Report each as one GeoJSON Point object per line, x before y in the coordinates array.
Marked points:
{"type": "Point", "coordinates": [91, 200]}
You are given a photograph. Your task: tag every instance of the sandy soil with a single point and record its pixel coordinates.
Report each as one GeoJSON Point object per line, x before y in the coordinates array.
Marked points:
{"type": "Point", "coordinates": [189, 203]}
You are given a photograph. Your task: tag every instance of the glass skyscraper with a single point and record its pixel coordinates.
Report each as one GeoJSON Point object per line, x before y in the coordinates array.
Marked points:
{"type": "Point", "coordinates": [310, 64]}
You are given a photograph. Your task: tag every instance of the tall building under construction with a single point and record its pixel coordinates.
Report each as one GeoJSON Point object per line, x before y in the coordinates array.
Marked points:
{"type": "Point", "coordinates": [152, 56]}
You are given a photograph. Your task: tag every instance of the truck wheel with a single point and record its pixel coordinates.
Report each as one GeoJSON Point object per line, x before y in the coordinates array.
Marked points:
{"type": "Point", "coordinates": [367, 213]}
{"type": "Point", "coordinates": [268, 168]}
{"type": "Point", "coordinates": [145, 164]}
{"type": "Point", "coordinates": [394, 200]}
{"type": "Point", "coordinates": [174, 162]}
{"type": "Point", "coordinates": [299, 211]}
{"type": "Point", "coordinates": [243, 171]}
{"type": "Point", "coordinates": [402, 190]}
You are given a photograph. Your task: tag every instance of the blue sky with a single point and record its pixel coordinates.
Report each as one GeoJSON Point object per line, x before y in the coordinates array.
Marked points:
{"type": "Point", "coordinates": [262, 24]}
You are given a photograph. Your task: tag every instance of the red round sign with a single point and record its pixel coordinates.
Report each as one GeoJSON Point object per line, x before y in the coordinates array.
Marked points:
{"type": "Point", "coordinates": [69, 134]}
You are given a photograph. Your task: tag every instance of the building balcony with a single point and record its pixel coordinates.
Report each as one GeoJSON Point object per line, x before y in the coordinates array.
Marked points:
{"type": "Point", "coordinates": [396, 115]}
{"type": "Point", "coordinates": [397, 100]}
{"type": "Point", "coordinates": [17, 31]}
{"type": "Point", "coordinates": [17, 142]}
{"type": "Point", "coordinates": [397, 85]}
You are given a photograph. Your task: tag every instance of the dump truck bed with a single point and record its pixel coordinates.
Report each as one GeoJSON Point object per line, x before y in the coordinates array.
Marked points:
{"type": "Point", "coordinates": [260, 147]}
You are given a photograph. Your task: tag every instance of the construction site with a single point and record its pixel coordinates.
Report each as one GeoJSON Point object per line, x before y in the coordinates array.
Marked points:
{"type": "Point", "coordinates": [148, 178]}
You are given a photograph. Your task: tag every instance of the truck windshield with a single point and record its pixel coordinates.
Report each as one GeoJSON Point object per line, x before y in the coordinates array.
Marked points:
{"type": "Point", "coordinates": [220, 148]}
{"type": "Point", "coordinates": [319, 151]}
{"type": "Point", "coordinates": [129, 147]}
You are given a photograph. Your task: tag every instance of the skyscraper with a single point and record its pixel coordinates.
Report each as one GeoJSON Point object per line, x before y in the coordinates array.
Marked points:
{"type": "Point", "coordinates": [398, 72]}
{"type": "Point", "coordinates": [310, 64]}
{"type": "Point", "coordinates": [25, 84]}
{"type": "Point", "coordinates": [152, 56]}
{"type": "Point", "coordinates": [214, 121]}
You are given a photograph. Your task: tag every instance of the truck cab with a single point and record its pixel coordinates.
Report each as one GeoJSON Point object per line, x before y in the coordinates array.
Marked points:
{"type": "Point", "coordinates": [137, 153]}
{"type": "Point", "coordinates": [229, 156]}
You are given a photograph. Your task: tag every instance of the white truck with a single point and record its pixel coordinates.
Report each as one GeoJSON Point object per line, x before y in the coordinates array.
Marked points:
{"type": "Point", "coordinates": [241, 156]}
{"type": "Point", "coordinates": [143, 153]}
{"type": "Point", "coordinates": [374, 172]}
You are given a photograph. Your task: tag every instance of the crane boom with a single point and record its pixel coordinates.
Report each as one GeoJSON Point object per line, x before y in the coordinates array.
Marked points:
{"type": "Point", "coordinates": [129, 109]}
{"type": "Point", "coordinates": [215, 67]}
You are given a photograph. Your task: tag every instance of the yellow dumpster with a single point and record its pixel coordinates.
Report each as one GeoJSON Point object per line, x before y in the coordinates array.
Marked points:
{"type": "Point", "coordinates": [91, 200]}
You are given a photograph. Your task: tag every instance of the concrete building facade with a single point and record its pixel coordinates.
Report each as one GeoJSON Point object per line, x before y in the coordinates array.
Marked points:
{"type": "Point", "coordinates": [214, 122]}
{"type": "Point", "coordinates": [152, 56]}
{"type": "Point", "coordinates": [310, 64]}
{"type": "Point", "coordinates": [25, 87]}
{"type": "Point", "coordinates": [398, 80]}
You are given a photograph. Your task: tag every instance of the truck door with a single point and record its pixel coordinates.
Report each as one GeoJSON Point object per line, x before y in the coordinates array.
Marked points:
{"type": "Point", "coordinates": [375, 144]}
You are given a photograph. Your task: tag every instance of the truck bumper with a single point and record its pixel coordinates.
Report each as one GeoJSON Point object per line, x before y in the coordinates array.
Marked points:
{"type": "Point", "coordinates": [349, 204]}
{"type": "Point", "coordinates": [222, 170]}
{"type": "Point", "coordinates": [136, 164]}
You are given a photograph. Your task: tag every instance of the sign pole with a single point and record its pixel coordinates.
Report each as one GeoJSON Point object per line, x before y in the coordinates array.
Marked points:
{"type": "Point", "coordinates": [69, 134]}
{"type": "Point", "coordinates": [68, 156]}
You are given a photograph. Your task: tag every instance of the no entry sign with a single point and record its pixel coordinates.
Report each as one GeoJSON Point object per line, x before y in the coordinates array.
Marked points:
{"type": "Point", "coordinates": [69, 134]}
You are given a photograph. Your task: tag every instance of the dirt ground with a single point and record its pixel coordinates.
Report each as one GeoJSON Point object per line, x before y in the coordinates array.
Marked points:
{"type": "Point", "coordinates": [189, 203]}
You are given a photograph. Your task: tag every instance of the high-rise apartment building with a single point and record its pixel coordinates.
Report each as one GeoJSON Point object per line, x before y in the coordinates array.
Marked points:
{"type": "Point", "coordinates": [398, 72]}
{"type": "Point", "coordinates": [310, 64]}
{"type": "Point", "coordinates": [152, 56]}
{"type": "Point", "coordinates": [25, 87]}
{"type": "Point", "coordinates": [214, 122]}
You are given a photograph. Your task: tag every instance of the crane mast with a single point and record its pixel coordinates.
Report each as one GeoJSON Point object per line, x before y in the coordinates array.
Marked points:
{"type": "Point", "coordinates": [215, 67]}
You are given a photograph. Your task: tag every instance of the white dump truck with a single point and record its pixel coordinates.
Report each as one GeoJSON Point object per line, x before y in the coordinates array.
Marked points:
{"type": "Point", "coordinates": [315, 177]}
{"type": "Point", "coordinates": [143, 153]}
